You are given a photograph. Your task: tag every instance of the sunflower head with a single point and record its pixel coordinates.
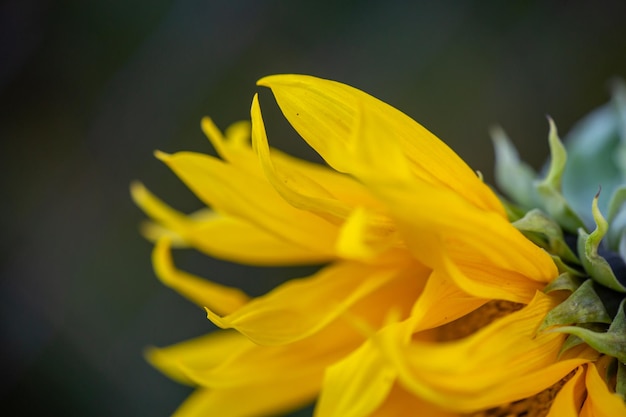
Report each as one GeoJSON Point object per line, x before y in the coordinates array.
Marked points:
{"type": "Point", "coordinates": [429, 294]}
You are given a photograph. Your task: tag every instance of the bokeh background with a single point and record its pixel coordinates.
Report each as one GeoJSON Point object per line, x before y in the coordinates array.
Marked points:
{"type": "Point", "coordinates": [89, 88]}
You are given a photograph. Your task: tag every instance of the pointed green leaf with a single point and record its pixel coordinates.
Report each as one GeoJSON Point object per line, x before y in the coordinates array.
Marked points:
{"type": "Point", "coordinates": [570, 342]}
{"type": "Point", "coordinates": [549, 190]}
{"type": "Point", "coordinates": [612, 342]}
{"type": "Point", "coordinates": [595, 265]}
{"type": "Point", "coordinates": [534, 223]}
{"type": "Point", "coordinates": [565, 281]}
{"type": "Point", "coordinates": [582, 306]}
{"type": "Point", "coordinates": [513, 176]}
{"type": "Point", "coordinates": [563, 267]}
{"type": "Point", "coordinates": [620, 385]}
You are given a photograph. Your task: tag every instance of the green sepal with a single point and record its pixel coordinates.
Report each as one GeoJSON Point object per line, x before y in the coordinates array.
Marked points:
{"type": "Point", "coordinates": [582, 306]}
{"type": "Point", "coordinates": [512, 175]}
{"type": "Point", "coordinates": [612, 342]}
{"type": "Point", "coordinates": [620, 384]}
{"type": "Point", "coordinates": [545, 233]}
{"type": "Point", "coordinates": [563, 267]}
{"type": "Point", "coordinates": [565, 281]}
{"type": "Point", "coordinates": [596, 266]}
{"type": "Point", "coordinates": [549, 189]}
{"type": "Point", "coordinates": [571, 342]}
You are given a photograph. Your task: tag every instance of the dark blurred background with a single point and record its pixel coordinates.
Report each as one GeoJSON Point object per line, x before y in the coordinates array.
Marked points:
{"type": "Point", "coordinates": [89, 88]}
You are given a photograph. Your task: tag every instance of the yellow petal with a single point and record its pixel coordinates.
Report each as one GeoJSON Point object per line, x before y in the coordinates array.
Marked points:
{"type": "Point", "coordinates": [358, 239]}
{"type": "Point", "coordinates": [489, 282]}
{"type": "Point", "coordinates": [202, 292]}
{"type": "Point", "coordinates": [292, 185]}
{"type": "Point", "coordinates": [286, 373]}
{"type": "Point", "coordinates": [357, 385]}
{"type": "Point", "coordinates": [248, 401]}
{"type": "Point", "coordinates": [301, 307]}
{"type": "Point", "coordinates": [569, 400]}
{"type": "Point", "coordinates": [154, 231]}
{"type": "Point", "coordinates": [390, 302]}
{"type": "Point", "coordinates": [219, 236]}
{"type": "Point", "coordinates": [601, 402]}
{"type": "Point", "coordinates": [226, 365]}
{"type": "Point", "coordinates": [244, 196]}
{"type": "Point", "coordinates": [326, 113]}
{"type": "Point", "coordinates": [442, 230]}
{"type": "Point", "coordinates": [441, 302]}
{"type": "Point", "coordinates": [331, 195]}
{"type": "Point", "coordinates": [401, 402]}
{"type": "Point", "coordinates": [314, 179]}
{"type": "Point", "coordinates": [200, 353]}
{"type": "Point", "coordinates": [259, 365]}
{"type": "Point", "coordinates": [307, 358]}
{"type": "Point", "coordinates": [296, 180]}
{"type": "Point", "coordinates": [501, 363]}
{"type": "Point", "coordinates": [235, 146]}
{"type": "Point", "coordinates": [235, 240]}
{"type": "Point", "coordinates": [526, 385]}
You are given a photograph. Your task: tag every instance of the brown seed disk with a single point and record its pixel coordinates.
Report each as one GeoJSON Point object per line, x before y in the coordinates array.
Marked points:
{"type": "Point", "coordinates": [476, 320]}
{"type": "Point", "coordinates": [535, 406]}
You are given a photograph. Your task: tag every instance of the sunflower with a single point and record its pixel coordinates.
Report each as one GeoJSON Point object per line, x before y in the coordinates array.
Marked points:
{"type": "Point", "coordinates": [413, 247]}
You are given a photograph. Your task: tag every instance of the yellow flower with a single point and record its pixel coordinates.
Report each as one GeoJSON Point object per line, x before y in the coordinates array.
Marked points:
{"type": "Point", "coordinates": [411, 239]}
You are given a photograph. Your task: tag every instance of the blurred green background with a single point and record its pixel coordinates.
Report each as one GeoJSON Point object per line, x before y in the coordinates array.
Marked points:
{"type": "Point", "coordinates": [89, 88]}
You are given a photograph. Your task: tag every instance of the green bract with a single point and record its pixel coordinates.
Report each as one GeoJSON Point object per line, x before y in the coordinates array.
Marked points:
{"type": "Point", "coordinates": [562, 212]}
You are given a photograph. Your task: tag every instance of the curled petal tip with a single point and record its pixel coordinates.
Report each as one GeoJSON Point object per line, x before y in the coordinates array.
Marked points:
{"type": "Point", "coordinates": [282, 79]}
{"type": "Point", "coordinates": [137, 190]}
{"type": "Point", "coordinates": [162, 156]}
{"type": "Point", "coordinates": [267, 80]}
{"type": "Point", "coordinates": [206, 120]}
{"type": "Point", "coordinates": [215, 318]}
{"type": "Point", "coordinates": [136, 186]}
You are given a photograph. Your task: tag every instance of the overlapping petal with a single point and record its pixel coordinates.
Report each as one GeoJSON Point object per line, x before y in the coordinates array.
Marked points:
{"type": "Point", "coordinates": [226, 364]}
{"type": "Point", "coordinates": [221, 236]}
{"type": "Point", "coordinates": [569, 400]}
{"type": "Point", "coordinates": [435, 213]}
{"type": "Point", "coordinates": [203, 292]}
{"type": "Point", "coordinates": [600, 402]}
{"type": "Point", "coordinates": [247, 401]}
{"type": "Point", "coordinates": [229, 190]}
{"type": "Point", "coordinates": [308, 192]}
{"type": "Point", "coordinates": [302, 307]}
{"type": "Point", "coordinates": [401, 402]}
{"type": "Point", "coordinates": [356, 386]}
{"type": "Point", "coordinates": [203, 352]}
{"type": "Point", "coordinates": [501, 363]}
{"type": "Point", "coordinates": [441, 302]}
{"type": "Point", "coordinates": [325, 114]}
{"type": "Point", "coordinates": [445, 232]}
{"type": "Point", "coordinates": [227, 368]}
